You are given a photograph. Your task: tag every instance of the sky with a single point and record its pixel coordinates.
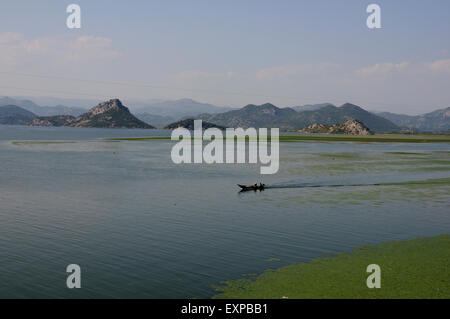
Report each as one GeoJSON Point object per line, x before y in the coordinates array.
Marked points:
{"type": "Point", "coordinates": [231, 53]}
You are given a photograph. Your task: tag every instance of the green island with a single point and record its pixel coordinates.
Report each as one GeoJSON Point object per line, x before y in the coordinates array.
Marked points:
{"type": "Point", "coordinates": [379, 138]}
{"type": "Point", "coordinates": [417, 268]}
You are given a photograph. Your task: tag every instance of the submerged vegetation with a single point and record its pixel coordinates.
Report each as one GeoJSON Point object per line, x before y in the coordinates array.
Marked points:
{"type": "Point", "coordinates": [379, 138]}
{"type": "Point", "coordinates": [303, 163]}
{"type": "Point", "coordinates": [417, 268]}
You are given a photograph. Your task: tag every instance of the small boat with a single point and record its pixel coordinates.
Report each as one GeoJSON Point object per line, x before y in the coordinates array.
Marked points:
{"type": "Point", "coordinates": [245, 188]}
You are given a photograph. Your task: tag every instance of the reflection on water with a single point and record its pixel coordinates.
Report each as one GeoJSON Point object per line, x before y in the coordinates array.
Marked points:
{"type": "Point", "coordinates": [141, 226]}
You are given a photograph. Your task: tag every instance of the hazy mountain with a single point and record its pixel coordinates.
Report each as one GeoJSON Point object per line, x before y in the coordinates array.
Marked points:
{"type": "Point", "coordinates": [87, 103]}
{"type": "Point", "coordinates": [109, 114]}
{"type": "Point", "coordinates": [52, 101]}
{"type": "Point", "coordinates": [161, 113]}
{"type": "Point", "coordinates": [268, 115]}
{"type": "Point", "coordinates": [180, 108]}
{"type": "Point", "coordinates": [189, 124]}
{"type": "Point", "coordinates": [14, 115]}
{"type": "Point", "coordinates": [5, 100]}
{"type": "Point", "coordinates": [435, 121]}
{"type": "Point", "coordinates": [311, 107]}
{"type": "Point", "coordinates": [139, 104]}
{"type": "Point", "coordinates": [42, 110]}
{"type": "Point", "coordinates": [155, 120]}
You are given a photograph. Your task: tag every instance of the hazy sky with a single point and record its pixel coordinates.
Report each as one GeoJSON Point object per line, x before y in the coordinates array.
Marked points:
{"type": "Point", "coordinates": [231, 52]}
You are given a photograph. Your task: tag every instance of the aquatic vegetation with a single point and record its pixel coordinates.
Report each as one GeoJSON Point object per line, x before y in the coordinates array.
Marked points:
{"type": "Point", "coordinates": [41, 142]}
{"type": "Point", "coordinates": [415, 268]}
{"type": "Point", "coordinates": [367, 139]}
{"type": "Point", "coordinates": [379, 138]}
{"type": "Point", "coordinates": [422, 192]}
{"type": "Point", "coordinates": [66, 146]}
{"type": "Point", "coordinates": [295, 162]}
{"type": "Point", "coordinates": [273, 259]}
{"type": "Point", "coordinates": [339, 155]}
{"type": "Point", "coordinates": [137, 139]}
{"type": "Point", "coordinates": [406, 153]}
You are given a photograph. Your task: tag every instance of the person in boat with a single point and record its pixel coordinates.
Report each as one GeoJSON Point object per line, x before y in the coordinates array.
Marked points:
{"type": "Point", "coordinates": [261, 185]}
{"type": "Point", "coordinates": [255, 185]}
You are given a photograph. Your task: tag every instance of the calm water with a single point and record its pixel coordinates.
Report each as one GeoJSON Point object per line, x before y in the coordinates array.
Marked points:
{"type": "Point", "coordinates": [140, 226]}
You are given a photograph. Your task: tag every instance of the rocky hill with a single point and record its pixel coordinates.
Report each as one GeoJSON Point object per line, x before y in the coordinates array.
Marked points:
{"type": "Point", "coordinates": [110, 114]}
{"type": "Point", "coordinates": [316, 128]}
{"type": "Point", "coordinates": [189, 124]}
{"type": "Point", "coordinates": [14, 115]}
{"type": "Point", "coordinates": [351, 127]}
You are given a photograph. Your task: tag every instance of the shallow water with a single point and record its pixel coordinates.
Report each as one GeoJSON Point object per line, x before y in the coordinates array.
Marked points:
{"type": "Point", "coordinates": [142, 227]}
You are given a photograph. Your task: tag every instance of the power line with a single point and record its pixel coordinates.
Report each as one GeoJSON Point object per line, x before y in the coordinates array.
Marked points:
{"type": "Point", "coordinates": [140, 84]}
{"type": "Point", "coordinates": [161, 87]}
{"type": "Point", "coordinates": [52, 91]}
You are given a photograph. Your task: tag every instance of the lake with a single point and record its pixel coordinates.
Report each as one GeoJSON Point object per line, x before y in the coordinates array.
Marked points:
{"type": "Point", "coordinates": [140, 226]}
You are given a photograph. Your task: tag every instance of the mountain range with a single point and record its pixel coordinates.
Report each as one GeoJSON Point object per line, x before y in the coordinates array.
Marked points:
{"type": "Point", "coordinates": [268, 115]}
{"type": "Point", "coordinates": [437, 121]}
{"type": "Point", "coordinates": [180, 108]}
{"type": "Point", "coordinates": [158, 112]}
{"type": "Point", "coordinates": [42, 110]}
{"type": "Point", "coordinates": [162, 113]}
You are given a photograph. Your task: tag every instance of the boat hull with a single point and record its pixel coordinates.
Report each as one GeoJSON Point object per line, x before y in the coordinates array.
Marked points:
{"type": "Point", "coordinates": [245, 188]}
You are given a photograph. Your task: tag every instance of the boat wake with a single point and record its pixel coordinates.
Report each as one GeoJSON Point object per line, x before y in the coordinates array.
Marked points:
{"type": "Point", "coordinates": [325, 184]}
{"type": "Point", "coordinates": [316, 185]}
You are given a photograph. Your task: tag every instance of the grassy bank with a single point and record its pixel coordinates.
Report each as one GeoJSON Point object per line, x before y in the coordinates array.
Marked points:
{"type": "Point", "coordinates": [418, 268]}
{"type": "Point", "coordinates": [379, 138]}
